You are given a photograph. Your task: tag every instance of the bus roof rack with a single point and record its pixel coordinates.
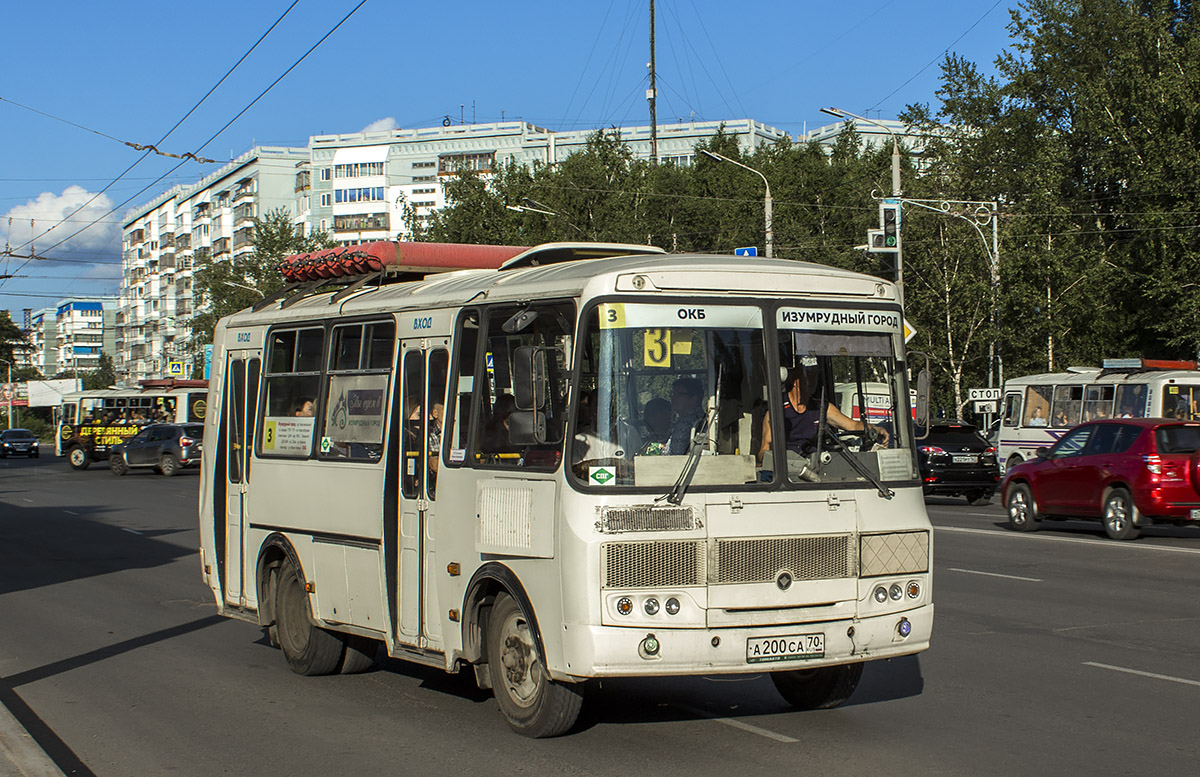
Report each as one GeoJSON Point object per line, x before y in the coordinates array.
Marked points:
{"type": "Point", "coordinates": [1146, 365]}
{"type": "Point", "coordinates": [554, 253]}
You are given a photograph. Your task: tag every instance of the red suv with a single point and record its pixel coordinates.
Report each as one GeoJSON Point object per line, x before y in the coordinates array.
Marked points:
{"type": "Point", "coordinates": [1128, 472]}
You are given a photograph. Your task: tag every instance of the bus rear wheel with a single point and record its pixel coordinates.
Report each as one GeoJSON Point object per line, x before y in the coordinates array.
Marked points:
{"type": "Point", "coordinates": [821, 688]}
{"type": "Point", "coordinates": [309, 649]}
{"type": "Point", "coordinates": [79, 458]}
{"type": "Point", "coordinates": [533, 704]}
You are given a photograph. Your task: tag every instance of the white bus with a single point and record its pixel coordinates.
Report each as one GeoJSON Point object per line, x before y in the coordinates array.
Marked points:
{"type": "Point", "coordinates": [1039, 409]}
{"type": "Point", "coordinates": [89, 422]}
{"type": "Point", "coordinates": [474, 471]}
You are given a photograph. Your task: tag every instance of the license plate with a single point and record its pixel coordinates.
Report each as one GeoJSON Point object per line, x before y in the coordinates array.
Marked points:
{"type": "Point", "coordinates": [964, 459]}
{"type": "Point", "coordinates": [1196, 515]}
{"type": "Point", "coordinates": [784, 648]}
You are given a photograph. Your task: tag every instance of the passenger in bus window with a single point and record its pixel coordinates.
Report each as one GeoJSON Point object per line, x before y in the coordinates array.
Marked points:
{"type": "Point", "coordinates": [800, 419]}
{"type": "Point", "coordinates": [495, 433]}
{"type": "Point", "coordinates": [687, 395]}
{"type": "Point", "coordinates": [304, 409]}
{"type": "Point", "coordinates": [435, 442]}
{"type": "Point", "coordinates": [656, 422]}
{"type": "Point", "coordinates": [1060, 418]}
{"type": "Point", "coordinates": [1038, 418]}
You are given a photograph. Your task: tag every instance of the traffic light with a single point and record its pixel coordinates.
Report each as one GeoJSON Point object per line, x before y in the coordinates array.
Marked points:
{"type": "Point", "coordinates": [889, 222]}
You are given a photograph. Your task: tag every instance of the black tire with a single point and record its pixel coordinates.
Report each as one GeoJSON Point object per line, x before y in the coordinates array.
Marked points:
{"type": "Point", "coordinates": [821, 688]}
{"type": "Point", "coordinates": [1120, 515]}
{"type": "Point", "coordinates": [117, 465]}
{"type": "Point", "coordinates": [359, 655]}
{"type": "Point", "coordinates": [168, 464]}
{"type": "Point", "coordinates": [533, 704]}
{"type": "Point", "coordinates": [37, 455]}
{"type": "Point", "coordinates": [1013, 461]}
{"type": "Point", "coordinates": [309, 649]}
{"type": "Point", "coordinates": [1022, 510]}
{"type": "Point", "coordinates": [79, 458]}
{"type": "Point", "coordinates": [979, 497]}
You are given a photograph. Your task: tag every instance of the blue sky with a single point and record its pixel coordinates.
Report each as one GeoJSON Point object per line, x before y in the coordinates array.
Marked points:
{"type": "Point", "coordinates": [131, 70]}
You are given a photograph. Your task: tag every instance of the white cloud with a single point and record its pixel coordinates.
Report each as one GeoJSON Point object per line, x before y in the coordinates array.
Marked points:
{"type": "Point", "coordinates": [58, 217]}
{"type": "Point", "coordinates": [381, 125]}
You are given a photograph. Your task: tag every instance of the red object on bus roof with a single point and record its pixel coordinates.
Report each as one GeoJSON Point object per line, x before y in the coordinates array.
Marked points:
{"type": "Point", "coordinates": [423, 258]}
{"type": "Point", "coordinates": [171, 383]}
{"type": "Point", "coordinates": [1168, 364]}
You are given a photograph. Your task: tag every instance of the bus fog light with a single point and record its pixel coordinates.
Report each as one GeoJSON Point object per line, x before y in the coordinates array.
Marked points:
{"type": "Point", "coordinates": [672, 606]}
{"type": "Point", "coordinates": [881, 594]}
{"type": "Point", "coordinates": [896, 592]}
{"type": "Point", "coordinates": [904, 628]}
{"type": "Point", "coordinates": [651, 606]}
{"type": "Point", "coordinates": [914, 589]}
{"type": "Point", "coordinates": [624, 605]}
{"type": "Point", "coordinates": [649, 647]}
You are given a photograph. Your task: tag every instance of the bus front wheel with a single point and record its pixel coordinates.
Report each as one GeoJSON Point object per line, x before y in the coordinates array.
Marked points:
{"type": "Point", "coordinates": [533, 704]}
{"type": "Point", "coordinates": [309, 649]}
{"type": "Point", "coordinates": [821, 688]}
{"type": "Point", "coordinates": [79, 458]}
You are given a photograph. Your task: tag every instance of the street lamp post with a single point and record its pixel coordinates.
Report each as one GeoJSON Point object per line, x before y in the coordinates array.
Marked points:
{"type": "Point", "coordinates": [896, 190]}
{"type": "Point", "coordinates": [770, 238]}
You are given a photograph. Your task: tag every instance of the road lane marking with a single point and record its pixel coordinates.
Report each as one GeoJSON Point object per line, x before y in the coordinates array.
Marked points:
{"type": "Point", "coordinates": [1074, 540]}
{"type": "Point", "coordinates": [997, 574]}
{"type": "Point", "coordinates": [1139, 673]}
{"type": "Point", "coordinates": [69, 512]}
{"type": "Point", "coordinates": [131, 531]}
{"type": "Point", "coordinates": [23, 499]}
{"type": "Point", "coordinates": [990, 515]}
{"type": "Point", "coordinates": [735, 723]}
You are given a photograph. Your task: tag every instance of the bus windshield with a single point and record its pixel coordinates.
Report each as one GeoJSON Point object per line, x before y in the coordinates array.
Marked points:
{"type": "Point", "coordinates": [666, 388]}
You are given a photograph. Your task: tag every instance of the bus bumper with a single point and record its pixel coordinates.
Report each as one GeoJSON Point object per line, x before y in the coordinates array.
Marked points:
{"type": "Point", "coordinates": [610, 651]}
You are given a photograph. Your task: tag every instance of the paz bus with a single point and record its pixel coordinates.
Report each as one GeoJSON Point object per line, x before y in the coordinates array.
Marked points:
{"type": "Point", "coordinates": [468, 470]}
{"type": "Point", "coordinates": [1039, 409]}
{"type": "Point", "coordinates": [90, 422]}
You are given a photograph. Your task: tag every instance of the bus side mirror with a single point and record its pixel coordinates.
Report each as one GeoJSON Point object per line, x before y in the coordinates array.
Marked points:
{"type": "Point", "coordinates": [1042, 453]}
{"type": "Point", "coordinates": [527, 427]}
{"type": "Point", "coordinates": [923, 381]}
{"type": "Point", "coordinates": [529, 377]}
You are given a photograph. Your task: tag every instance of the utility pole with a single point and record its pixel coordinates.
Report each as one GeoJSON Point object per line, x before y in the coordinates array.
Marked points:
{"type": "Point", "coordinates": [652, 95]}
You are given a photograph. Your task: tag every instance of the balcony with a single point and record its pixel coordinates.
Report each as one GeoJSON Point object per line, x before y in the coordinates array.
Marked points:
{"type": "Point", "coordinates": [243, 238]}
{"type": "Point", "coordinates": [361, 222]}
{"type": "Point", "coordinates": [183, 241]}
{"type": "Point", "coordinates": [303, 181]}
{"type": "Point", "coordinates": [244, 193]}
{"type": "Point", "coordinates": [244, 212]}
{"type": "Point", "coordinates": [137, 236]}
{"type": "Point", "coordinates": [220, 246]}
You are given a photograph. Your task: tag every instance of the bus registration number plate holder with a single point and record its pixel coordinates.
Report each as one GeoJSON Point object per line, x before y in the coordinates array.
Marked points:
{"type": "Point", "coordinates": [787, 647]}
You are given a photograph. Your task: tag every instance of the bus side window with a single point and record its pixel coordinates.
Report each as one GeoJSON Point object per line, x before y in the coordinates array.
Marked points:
{"type": "Point", "coordinates": [1131, 400]}
{"type": "Point", "coordinates": [1068, 404]}
{"type": "Point", "coordinates": [458, 412]}
{"type": "Point", "coordinates": [1037, 406]}
{"type": "Point", "coordinates": [1012, 409]}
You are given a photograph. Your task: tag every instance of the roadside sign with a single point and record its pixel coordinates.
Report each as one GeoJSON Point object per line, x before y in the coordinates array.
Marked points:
{"type": "Point", "coordinates": [984, 394]}
{"type": "Point", "coordinates": [175, 369]}
{"type": "Point", "coordinates": [747, 251]}
{"type": "Point", "coordinates": [985, 407]}
{"type": "Point", "coordinates": [909, 331]}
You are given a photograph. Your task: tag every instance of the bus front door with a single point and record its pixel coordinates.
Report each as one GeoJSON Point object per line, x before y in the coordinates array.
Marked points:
{"type": "Point", "coordinates": [423, 367]}
{"type": "Point", "coordinates": [241, 399]}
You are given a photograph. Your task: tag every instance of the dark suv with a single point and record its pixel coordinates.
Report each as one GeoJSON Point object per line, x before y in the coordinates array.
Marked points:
{"type": "Point", "coordinates": [18, 442]}
{"type": "Point", "coordinates": [955, 460]}
{"type": "Point", "coordinates": [165, 447]}
{"type": "Point", "coordinates": [1128, 472]}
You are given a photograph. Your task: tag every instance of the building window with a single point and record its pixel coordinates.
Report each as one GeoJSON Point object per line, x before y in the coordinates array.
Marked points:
{"type": "Point", "coordinates": [418, 165]}
{"type": "Point", "coordinates": [325, 200]}
{"type": "Point", "coordinates": [358, 170]}
{"type": "Point", "coordinates": [325, 171]}
{"type": "Point", "coordinates": [427, 190]}
{"type": "Point", "coordinates": [450, 164]}
{"type": "Point", "coordinates": [366, 194]}
{"type": "Point", "coordinates": [424, 178]}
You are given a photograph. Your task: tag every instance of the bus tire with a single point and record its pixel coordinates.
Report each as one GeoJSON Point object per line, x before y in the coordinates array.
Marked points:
{"type": "Point", "coordinates": [309, 649]}
{"type": "Point", "coordinates": [79, 458]}
{"type": "Point", "coordinates": [168, 465]}
{"type": "Point", "coordinates": [117, 465]}
{"type": "Point", "coordinates": [533, 704]}
{"type": "Point", "coordinates": [1120, 515]}
{"type": "Point", "coordinates": [821, 688]}
{"type": "Point", "coordinates": [1013, 461]}
{"type": "Point", "coordinates": [359, 655]}
{"type": "Point", "coordinates": [1022, 510]}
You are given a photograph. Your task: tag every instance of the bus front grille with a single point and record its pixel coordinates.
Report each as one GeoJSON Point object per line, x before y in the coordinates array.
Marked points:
{"type": "Point", "coordinates": [653, 564]}
{"type": "Point", "coordinates": [821, 557]}
{"type": "Point", "coordinates": [895, 553]}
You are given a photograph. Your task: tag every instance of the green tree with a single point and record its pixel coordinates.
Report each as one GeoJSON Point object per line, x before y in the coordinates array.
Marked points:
{"type": "Point", "coordinates": [12, 339]}
{"type": "Point", "coordinates": [102, 377]}
{"type": "Point", "coordinates": [225, 286]}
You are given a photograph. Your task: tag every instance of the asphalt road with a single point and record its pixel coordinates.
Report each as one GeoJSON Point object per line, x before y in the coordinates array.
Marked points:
{"type": "Point", "coordinates": [1059, 652]}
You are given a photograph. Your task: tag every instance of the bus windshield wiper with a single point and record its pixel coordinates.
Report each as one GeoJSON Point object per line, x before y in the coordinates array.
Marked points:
{"type": "Point", "coordinates": [695, 449]}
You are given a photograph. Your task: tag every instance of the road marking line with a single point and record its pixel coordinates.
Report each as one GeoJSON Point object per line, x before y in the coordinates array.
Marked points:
{"type": "Point", "coordinates": [762, 732]}
{"type": "Point", "coordinates": [1138, 672]}
{"type": "Point", "coordinates": [69, 512]}
{"type": "Point", "coordinates": [1094, 543]}
{"type": "Point", "coordinates": [23, 499]}
{"type": "Point", "coordinates": [989, 515]}
{"type": "Point", "coordinates": [131, 531]}
{"type": "Point", "coordinates": [997, 574]}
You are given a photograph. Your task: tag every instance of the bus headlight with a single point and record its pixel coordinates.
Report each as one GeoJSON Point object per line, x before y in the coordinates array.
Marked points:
{"type": "Point", "coordinates": [881, 594]}
{"type": "Point", "coordinates": [651, 606]}
{"type": "Point", "coordinates": [896, 592]}
{"type": "Point", "coordinates": [624, 605]}
{"type": "Point", "coordinates": [672, 606]}
{"type": "Point", "coordinates": [914, 589]}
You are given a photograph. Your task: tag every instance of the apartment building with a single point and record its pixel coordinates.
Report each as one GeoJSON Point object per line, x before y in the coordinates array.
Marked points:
{"type": "Point", "coordinates": [163, 240]}
{"type": "Point", "coordinates": [83, 329]}
{"type": "Point", "coordinates": [43, 341]}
